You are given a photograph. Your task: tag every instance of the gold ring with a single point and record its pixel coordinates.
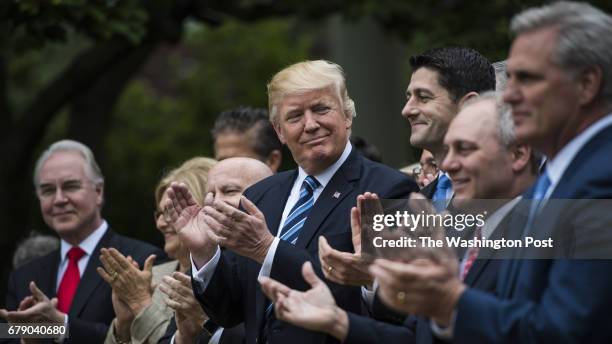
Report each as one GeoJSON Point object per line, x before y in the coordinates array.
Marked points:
{"type": "Point", "coordinates": [114, 276]}
{"type": "Point", "coordinates": [401, 297]}
{"type": "Point", "coordinates": [329, 268]}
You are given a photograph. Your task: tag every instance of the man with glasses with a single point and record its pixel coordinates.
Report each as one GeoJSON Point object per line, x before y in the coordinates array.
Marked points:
{"type": "Point", "coordinates": [427, 171]}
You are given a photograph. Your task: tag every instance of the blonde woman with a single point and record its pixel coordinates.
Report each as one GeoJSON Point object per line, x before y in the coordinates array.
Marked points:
{"type": "Point", "coordinates": [140, 308]}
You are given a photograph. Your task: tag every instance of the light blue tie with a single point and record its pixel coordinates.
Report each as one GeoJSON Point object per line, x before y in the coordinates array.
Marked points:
{"type": "Point", "coordinates": [439, 197]}
{"type": "Point", "coordinates": [541, 187]}
{"type": "Point", "coordinates": [298, 214]}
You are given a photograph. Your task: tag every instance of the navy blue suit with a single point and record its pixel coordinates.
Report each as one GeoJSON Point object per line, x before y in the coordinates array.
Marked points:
{"type": "Point", "coordinates": [550, 301]}
{"type": "Point", "coordinates": [417, 329]}
{"type": "Point", "coordinates": [234, 295]}
{"type": "Point", "coordinates": [92, 310]}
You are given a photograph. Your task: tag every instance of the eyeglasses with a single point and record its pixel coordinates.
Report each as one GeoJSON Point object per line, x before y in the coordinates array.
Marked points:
{"type": "Point", "coordinates": [427, 168]}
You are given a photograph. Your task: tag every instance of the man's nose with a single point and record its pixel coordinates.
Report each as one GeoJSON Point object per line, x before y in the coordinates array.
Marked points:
{"type": "Point", "coordinates": [311, 123]}
{"type": "Point", "coordinates": [60, 196]}
{"type": "Point", "coordinates": [511, 94]}
{"type": "Point", "coordinates": [450, 163]}
{"type": "Point", "coordinates": [410, 110]}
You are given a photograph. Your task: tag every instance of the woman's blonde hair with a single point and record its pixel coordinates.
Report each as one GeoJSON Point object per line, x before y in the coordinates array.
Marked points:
{"type": "Point", "coordinates": [193, 172]}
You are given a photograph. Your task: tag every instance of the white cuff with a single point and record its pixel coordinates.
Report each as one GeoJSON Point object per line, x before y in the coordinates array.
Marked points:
{"type": "Point", "coordinates": [368, 295]}
{"type": "Point", "coordinates": [204, 274]}
{"type": "Point", "coordinates": [266, 267]}
{"type": "Point", "coordinates": [216, 338]}
{"type": "Point", "coordinates": [445, 333]}
{"type": "Point", "coordinates": [61, 338]}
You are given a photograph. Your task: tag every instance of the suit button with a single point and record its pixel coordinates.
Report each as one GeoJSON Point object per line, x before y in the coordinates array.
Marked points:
{"type": "Point", "coordinates": [276, 330]}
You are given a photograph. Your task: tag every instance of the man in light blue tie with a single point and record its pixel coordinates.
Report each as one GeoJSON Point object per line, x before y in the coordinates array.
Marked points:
{"type": "Point", "coordinates": [560, 91]}
{"type": "Point", "coordinates": [283, 216]}
{"type": "Point", "coordinates": [442, 79]}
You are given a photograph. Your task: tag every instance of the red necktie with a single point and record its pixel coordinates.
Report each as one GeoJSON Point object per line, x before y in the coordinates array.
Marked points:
{"type": "Point", "coordinates": [472, 254]}
{"type": "Point", "coordinates": [70, 280]}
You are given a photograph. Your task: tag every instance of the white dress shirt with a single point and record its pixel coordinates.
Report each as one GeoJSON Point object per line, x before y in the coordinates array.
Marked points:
{"type": "Point", "coordinates": [204, 274]}
{"type": "Point", "coordinates": [555, 168]}
{"type": "Point", "coordinates": [88, 245]}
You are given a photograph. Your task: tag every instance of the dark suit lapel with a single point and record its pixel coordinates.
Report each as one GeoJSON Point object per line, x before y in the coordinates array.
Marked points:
{"type": "Point", "coordinates": [429, 190]}
{"type": "Point", "coordinates": [336, 190]}
{"type": "Point", "coordinates": [475, 271]}
{"type": "Point", "coordinates": [274, 213]}
{"type": "Point", "coordinates": [90, 279]}
{"type": "Point", "coordinates": [272, 207]}
{"type": "Point", "coordinates": [48, 274]}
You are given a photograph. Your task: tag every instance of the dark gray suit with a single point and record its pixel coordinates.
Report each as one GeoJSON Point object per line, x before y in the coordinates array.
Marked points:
{"type": "Point", "coordinates": [92, 310]}
{"type": "Point", "coordinates": [234, 295]}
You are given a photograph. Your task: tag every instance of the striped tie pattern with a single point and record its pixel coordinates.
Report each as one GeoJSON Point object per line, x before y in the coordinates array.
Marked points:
{"type": "Point", "coordinates": [298, 214]}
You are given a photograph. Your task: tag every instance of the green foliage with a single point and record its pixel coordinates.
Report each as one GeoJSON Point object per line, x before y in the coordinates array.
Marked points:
{"type": "Point", "coordinates": [33, 23]}
{"type": "Point", "coordinates": [164, 117]}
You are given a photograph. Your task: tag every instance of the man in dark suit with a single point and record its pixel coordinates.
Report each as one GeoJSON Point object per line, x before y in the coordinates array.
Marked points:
{"type": "Point", "coordinates": [493, 144]}
{"type": "Point", "coordinates": [559, 89]}
{"type": "Point", "coordinates": [451, 76]}
{"type": "Point", "coordinates": [63, 287]}
{"type": "Point", "coordinates": [442, 79]}
{"type": "Point", "coordinates": [286, 213]}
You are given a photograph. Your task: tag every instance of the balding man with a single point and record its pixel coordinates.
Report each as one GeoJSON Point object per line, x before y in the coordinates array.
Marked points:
{"type": "Point", "coordinates": [287, 213]}
{"type": "Point", "coordinates": [230, 177]}
{"type": "Point", "coordinates": [226, 182]}
{"type": "Point", "coordinates": [559, 87]}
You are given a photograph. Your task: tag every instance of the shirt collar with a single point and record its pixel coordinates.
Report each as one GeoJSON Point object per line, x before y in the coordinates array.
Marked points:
{"type": "Point", "coordinates": [557, 166]}
{"type": "Point", "coordinates": [327, 174]}
{"type": "Point", "coordinates": [496, 218]}
{"type": "Point", "coordinates": [89, 244]}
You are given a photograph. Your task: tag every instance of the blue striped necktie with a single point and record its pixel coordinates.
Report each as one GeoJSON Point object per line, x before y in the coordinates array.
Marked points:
{"type": "Point", "coordinates": [439, 197]}
{"type": "Point", "coordinates": [296, 218]}
{"type": "Point", "coordinates": [298, 214]}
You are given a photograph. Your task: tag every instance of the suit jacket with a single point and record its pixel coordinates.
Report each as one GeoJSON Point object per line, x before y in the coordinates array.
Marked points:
{"type": "Point", "coordinates": [430, 189]}
{"type": "Point", "coordinates": [417, 329]}
{"type": "Point", "coordinates": [91, 311]}
{"type": "Point", "coordinates": [545, 300]}
{"type": "Point", "coordinates": [233, 294]}
{"type": "Point", "coordinates": [234, 335]}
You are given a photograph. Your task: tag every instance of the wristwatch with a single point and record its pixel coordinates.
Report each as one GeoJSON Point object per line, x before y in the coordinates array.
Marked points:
{"type": "Point", "coordinates": [209, 327]}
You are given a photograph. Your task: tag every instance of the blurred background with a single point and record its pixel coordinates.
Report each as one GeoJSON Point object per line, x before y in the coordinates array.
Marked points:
{"type": "Point", "coordinates": [141, 82]}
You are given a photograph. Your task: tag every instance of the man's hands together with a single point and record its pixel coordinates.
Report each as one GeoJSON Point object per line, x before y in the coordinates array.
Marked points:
{"type": "Point", "coordinates": [36, 308]}
{"type": "Point", "coordinates": [201, 229]}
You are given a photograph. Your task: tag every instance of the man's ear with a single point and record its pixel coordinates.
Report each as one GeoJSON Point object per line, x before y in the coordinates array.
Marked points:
{"type": "Point", "coordinates": [348, 120]}
{"type": "Point", "coordinates": [274, 160]}
{"type": "Point", "coordinates": [589, 81]}
{"type": "Point", "coordinates": [278, 130]}
{"type": "Point", "coordinates": [521, 154]}
{"type": "Point", "coordinates": [469, 95]}
{"type": "Point", "coordinates": [99, 194]}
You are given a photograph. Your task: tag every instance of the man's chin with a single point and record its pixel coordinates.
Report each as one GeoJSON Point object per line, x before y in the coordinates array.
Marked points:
{"type": "Point", "coordinates": [65, 227]}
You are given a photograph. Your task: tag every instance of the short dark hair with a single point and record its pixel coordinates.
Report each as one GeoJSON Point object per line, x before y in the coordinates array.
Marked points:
{"type": "Point", "coordinates": [460, 70]}
{"type": "Point", "coordinates": [366, 149]}
{"type": "Point", "coordinates": [254, 121]}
